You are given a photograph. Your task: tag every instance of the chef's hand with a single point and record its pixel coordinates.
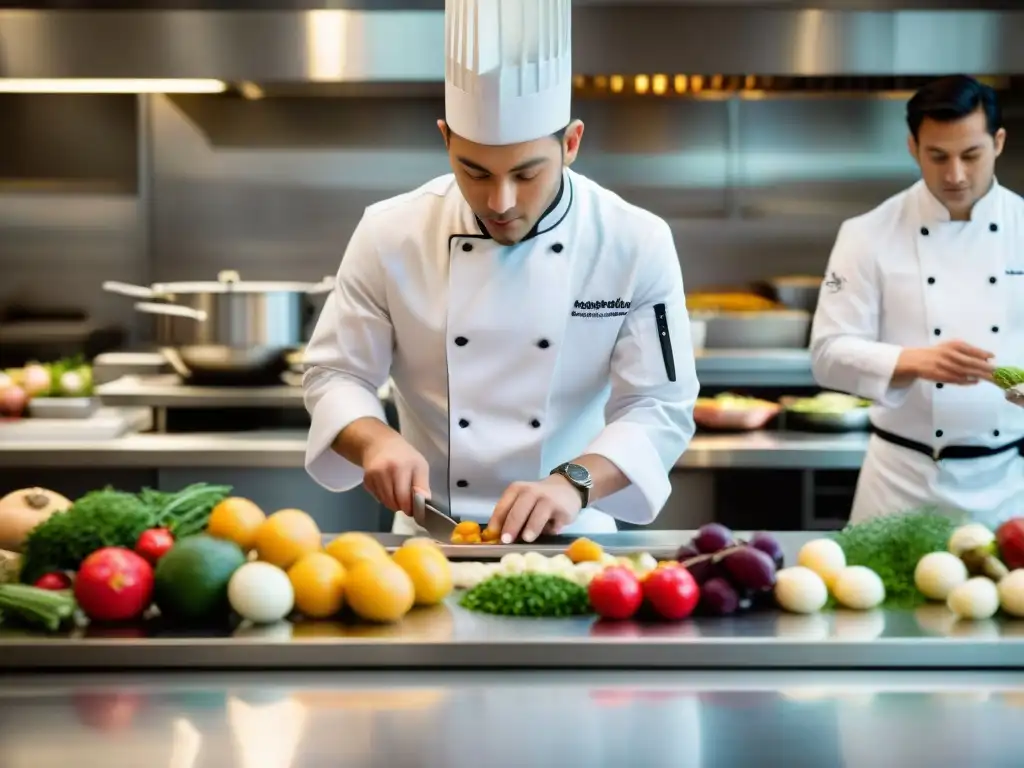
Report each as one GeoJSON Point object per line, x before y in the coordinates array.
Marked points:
{"type": "Point", "coordinates": [952, 362]}
{"type": "Point", "coordinates": [393, 470]}
{"type": "Point", "coordinates": [530, 509]}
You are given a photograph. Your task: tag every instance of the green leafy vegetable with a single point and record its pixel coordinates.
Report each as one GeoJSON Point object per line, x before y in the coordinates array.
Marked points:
{"type": "Point", "coordinates": [1007, 376]}
{"type": "Point", "coordinates": [892, 545]}
{"type": "Point", "coordinates": [527, 594]}
{"type": "Point", "coordinates": [44, 607]}
{"type": "Point", "coordinates": [110, 518]}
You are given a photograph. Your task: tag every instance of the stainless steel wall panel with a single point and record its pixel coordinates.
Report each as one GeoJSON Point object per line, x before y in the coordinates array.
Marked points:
{"type": "Point", "coordinates": [335, 45]}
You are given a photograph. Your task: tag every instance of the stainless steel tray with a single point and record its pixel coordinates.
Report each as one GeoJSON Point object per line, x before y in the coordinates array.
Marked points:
{"type": "Point", "coordinates": [619, 543]}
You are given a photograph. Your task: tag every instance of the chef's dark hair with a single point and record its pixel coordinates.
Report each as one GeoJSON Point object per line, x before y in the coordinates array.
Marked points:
{"type": "Point", "coordinates": [952, 98]}
{"type": "Point", "coordinates": [557, 135]}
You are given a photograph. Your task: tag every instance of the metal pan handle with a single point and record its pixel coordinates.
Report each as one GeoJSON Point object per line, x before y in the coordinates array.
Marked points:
{"type": "Point", "coordinates": [172, 310]}
{"type": "Point", "coordinates": [129, 290]}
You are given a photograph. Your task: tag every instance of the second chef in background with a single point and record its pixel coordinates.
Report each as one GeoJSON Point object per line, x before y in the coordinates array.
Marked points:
{"type": "Point", "coordinates": [923, 296]}
{"type": "Point", "coordinates": [533, 323]}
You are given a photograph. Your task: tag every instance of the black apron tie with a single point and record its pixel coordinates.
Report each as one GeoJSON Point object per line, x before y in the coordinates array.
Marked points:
{"type": "Point", "coordinates": [950, 451]}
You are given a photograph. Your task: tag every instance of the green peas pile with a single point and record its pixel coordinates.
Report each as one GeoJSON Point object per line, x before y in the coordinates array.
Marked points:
{"type": "Point", "coordinates": [527, 594]}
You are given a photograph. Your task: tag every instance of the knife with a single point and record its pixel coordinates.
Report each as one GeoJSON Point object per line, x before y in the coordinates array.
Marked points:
{"type": "Point", "coordinates": [434, 516]}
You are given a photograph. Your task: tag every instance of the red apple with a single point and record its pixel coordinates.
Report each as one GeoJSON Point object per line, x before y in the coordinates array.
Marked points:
{"type": "Point", "coordinates": [1010, 540]}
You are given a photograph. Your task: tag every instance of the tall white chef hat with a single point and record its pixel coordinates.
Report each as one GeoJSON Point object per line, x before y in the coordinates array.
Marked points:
{"type": "Point", "coordinates": [508, 68]}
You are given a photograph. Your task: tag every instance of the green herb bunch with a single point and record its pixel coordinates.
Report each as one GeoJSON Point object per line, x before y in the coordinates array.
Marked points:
{"type": "Point", "coordinates": [111, 518]}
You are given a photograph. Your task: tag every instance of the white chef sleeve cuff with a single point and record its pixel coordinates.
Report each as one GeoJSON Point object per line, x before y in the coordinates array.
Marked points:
{"type": "Point", "coordinates": [627, 446]}
{"type": "Point", "coordinates": [876, 380]}
{"type": "Point", "coordinates": [338, 408]}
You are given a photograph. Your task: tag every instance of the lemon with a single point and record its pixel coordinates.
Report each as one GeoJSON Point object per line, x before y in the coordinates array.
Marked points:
{"type": "Point", "coordinates": [286, 536]}
{"type": "Point", "coordinates": [379, 590]}
{"type": "Point", "coordinates": [319, 583]}
{"type": "Point", "coordinates": [353, 547]}
{"type": "Point", "coordinates": [429, 570]}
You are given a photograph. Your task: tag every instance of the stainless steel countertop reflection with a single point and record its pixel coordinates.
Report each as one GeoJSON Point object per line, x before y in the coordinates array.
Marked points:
{"type": "Point", "coordinates": [449, 637]}
{"type": "Point", "coordinates": [460, 720]}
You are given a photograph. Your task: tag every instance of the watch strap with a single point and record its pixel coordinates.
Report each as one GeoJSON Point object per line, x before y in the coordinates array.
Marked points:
{"type": "Point", "coordinates": [582, 487]}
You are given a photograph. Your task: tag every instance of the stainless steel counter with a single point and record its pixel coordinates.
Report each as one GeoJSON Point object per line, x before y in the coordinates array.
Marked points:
{"type": "Point", "coordinates": [449, 637]}
{"type": "Point", "coordinates": [285, 449]}
{"type": "Point", "coordinates": [547, 719]}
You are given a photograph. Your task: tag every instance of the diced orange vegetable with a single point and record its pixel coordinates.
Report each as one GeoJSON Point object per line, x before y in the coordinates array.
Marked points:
{"type": "Point", "coordinates": [583, 551]}
{"type": "Point", "coordinates": [466, 532]}
{"type": "Point", "coordinates": [490, 537]}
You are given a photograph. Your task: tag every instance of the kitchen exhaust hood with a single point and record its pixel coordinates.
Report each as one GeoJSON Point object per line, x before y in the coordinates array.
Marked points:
{"type": "Point", "coordinates": [285, 42]}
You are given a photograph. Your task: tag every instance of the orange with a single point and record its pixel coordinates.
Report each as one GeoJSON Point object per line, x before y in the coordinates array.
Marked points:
{"type": "Point", "coordinates": [318, 581]}
{"type": "Point", "coordinates": [236, 519]}
{"type": "Point", "coordinates": [353, 547]}
{"type": "Point", "coordinates": [286, 536]}
{"type": "Point", "coordinates": [430, 571]}
{"type": "Point", "coordinates": [379, 590]}
{"type": "Point", "coordinates": [584, 550]}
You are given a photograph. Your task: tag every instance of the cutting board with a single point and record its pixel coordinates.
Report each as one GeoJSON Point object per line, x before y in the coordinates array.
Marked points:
{"type": "Point", "coordinates": [105, 424]}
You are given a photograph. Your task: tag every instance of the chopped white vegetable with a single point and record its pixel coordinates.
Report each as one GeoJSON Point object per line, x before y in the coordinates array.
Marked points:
{"type": "Point", "coordinates": [976, 598]}
{"type": "Point", "coordinates": [1011, 593]}
{"type": "Point", "coordinates": [584, 573]}
{"type": "Point", "coordinates": [859, 588]}
{"type": "Point", "coordinates": [536, 563]}
{"type": "Point", "coordinates": [823, 556]}
{"type": "Point", "coordinates": [970, 536]}
{"type": "Point", "coordinates": [800, 590]}
{"type": "Point", "coordinates": [607, 559]}
{"type": "Point", "coordinates": [939, 573]}
{"type": "Point", "coordinates": [645, 562]}
{"type": "Point", "coordinates": [513, 563]}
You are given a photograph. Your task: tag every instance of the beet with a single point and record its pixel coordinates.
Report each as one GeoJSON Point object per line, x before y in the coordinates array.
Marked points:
{"type": "Point", "coordinates": [750, 568]}
{"type": "Point", "coordinates": [712, 538]}
{"type": "Point", "coordinates": [705, 569]}
{"type": "Point", "coordinates": [685, 552]}
{"type": "Point", "coordinates": [770, 546]}
{"type": "Point", "coordinates": [718, 598]}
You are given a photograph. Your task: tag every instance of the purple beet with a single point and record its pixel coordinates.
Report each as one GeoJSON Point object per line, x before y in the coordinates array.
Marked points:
{"type": "Point", "coordinates": [750, 569]}
{"type": "Point", "coordinates": [767, 544]}
{"type": "Point", "coordinates": [718, 598]}
{"type": "Point", "coordinates": [685, 552]}
{"type": "Point", "coordinates": [704, 570]}
{"type": "Point", "coordinates": [712, 538]}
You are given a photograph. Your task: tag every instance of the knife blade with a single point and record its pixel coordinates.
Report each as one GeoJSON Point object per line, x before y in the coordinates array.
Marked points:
{"type": "Point", "coordinates": [434, 516]}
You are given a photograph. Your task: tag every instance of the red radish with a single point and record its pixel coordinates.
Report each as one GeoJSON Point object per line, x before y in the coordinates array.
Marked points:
{"type": "Point", "coordinates": [114, 584]}
{"type": "Point", "coordinates": [55, 581]}
{"type": "Point", "coordinates": [672, 592]}
{"type": "Point", "coordinates": [154, 543]}
{"type": "Point", "coordinates": [615, 593]}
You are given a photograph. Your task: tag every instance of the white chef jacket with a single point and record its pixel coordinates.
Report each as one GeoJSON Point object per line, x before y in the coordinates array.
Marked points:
{"type": "Point", "coordinates": [509, 360]}
{"type": "Point", "coordinates": [905, 275]}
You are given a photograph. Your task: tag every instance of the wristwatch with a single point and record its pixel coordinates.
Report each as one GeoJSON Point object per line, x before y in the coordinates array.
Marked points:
{"type": "Point", "coordinates": [579, 476]}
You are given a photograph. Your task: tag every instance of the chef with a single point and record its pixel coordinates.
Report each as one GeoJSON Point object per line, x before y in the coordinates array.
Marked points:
{"type": "Point", "coordinates": [922, 297]}
{"type": "Point", "coordinates": [533, 324]}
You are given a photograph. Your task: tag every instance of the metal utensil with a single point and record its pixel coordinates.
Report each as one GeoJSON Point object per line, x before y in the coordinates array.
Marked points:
{"type": "Point", "coordinates": [434, 516]}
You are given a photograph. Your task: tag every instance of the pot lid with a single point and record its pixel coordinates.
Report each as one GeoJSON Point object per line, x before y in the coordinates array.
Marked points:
{"type": "Point", "coordinates": [229, 281]}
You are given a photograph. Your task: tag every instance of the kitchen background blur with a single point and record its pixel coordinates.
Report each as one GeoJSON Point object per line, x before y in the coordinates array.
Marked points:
{"type": "Point", "coordinates": [753, 130]}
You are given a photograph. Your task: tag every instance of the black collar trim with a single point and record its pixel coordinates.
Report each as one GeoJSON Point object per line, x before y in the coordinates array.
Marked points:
{"type": "Point", "coordinates": [559, 207]}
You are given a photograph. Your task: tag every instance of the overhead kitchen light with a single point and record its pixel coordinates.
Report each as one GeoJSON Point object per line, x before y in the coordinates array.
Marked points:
{"type": "Point", "coordinates": [111, 85]}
